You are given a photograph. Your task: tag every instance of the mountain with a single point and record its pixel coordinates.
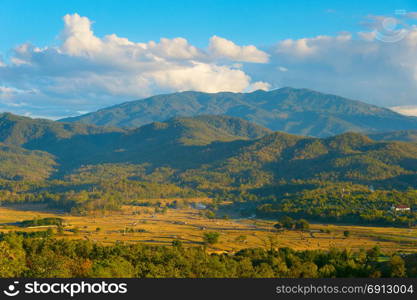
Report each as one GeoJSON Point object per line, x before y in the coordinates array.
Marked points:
{"type": "Point", "coordinates": [347, 157]}
{"type": "Point", "coordinates": [400, 135]}
{"type": "Point", "coordinates": [74, 144]}
{"type": "Point", "coordinates": [199, 130]}
{"type": "Point", "coordinates": [296, 111]}
{"type": "Point", "coordinates": [204, 152]}
{"type": "Point", "coordinates": [34, 133]}
{"type": "Point", "coordinates": [17, 163]}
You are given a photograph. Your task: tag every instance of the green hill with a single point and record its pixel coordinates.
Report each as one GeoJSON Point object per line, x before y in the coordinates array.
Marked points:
{"type": "Point", "coordinates": [17, 163]}
{"type": "Point", "coordinates": [209, 152]}
{"type": "Point", "coordinates": [296, 111]}
{"type": "Point", "coordinates": [75, 144]}
{"type": "Point", "coordinates": [400, 135]}
{"type": "Point", "coordinates": [281, 157]}
{"type": "Point", "coordinates": [343, 178]}
{"type": "Point", "coordinates": [34, 133]}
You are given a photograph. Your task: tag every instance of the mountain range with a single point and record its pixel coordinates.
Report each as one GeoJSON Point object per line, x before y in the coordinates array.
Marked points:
{"type": "Point", "coordinates": [203, 152]}
{"type": "Point", "coordinates": [296, 111]}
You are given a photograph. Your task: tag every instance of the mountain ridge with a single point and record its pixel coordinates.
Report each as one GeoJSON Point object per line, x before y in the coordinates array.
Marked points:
{"type": "Point", "coordinates": [296, 111]}
{"type": "Point", "coordinates": [207, 152]}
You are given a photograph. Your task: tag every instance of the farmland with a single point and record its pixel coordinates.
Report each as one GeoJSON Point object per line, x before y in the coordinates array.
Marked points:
{"type": "Point", "coordinates": [141, 224]}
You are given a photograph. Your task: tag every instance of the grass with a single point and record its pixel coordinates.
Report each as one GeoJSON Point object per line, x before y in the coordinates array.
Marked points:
{"type": "Point", "coordinates": [140, 224]}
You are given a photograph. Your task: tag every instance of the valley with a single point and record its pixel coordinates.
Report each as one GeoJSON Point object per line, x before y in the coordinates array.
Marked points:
{"type": "Point", "coordinates": [135, 224]}
{"type": "Point", "coordinates": [190, 196]}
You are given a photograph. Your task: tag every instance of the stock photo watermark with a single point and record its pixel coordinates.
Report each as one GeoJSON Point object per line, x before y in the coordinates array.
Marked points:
{"type": "Point", "coordinates": [71, 289]}
{"type": "Point", "coordinates": [392, 29]}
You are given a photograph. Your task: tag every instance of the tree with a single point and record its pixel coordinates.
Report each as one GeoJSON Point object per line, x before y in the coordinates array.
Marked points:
{"type": "Point", "coordinates": [49, 232]}
{"type": "Point", "coordinates": [177, 243]}
{"type": "Point", "coordinates": [278, 226]}
{"type": "Point", "coordinates": [302, 225]}
{"type": "Point", "coordinates": [211, 238]}
{"type": "Point", "coordinates": [240, 238]}
{"type": "Point", "coordinates": [113, 267]}
{"type": "Point", "coordinates": [12, 261]}
{"type": "Point", "coordinates": [346, 233]}
{"type": "Point", "coordinates": [287, 222]}
{"type": "Point", "coordinates": [327, 271]}
{"type": "Point", "coordinates": [397, 266]}
{"type": "Point", "coordinates": [49, 264]}
{"type": "Point", "coordinates": [373, 253]}
{"type": "Point", "coordinates": [210, 214]}
{"type": "Point", "coordinates": [60, 230]}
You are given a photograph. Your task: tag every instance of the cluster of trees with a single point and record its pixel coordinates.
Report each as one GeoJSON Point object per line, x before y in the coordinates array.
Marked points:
{"type": "Point", "coordinates": [102, 168]}
{"type": "Point", "coordinates": [80, 197]}
{"type": "Point", "coordinates": [356, 204]}
{"type": "Point", "coordinates": [289, 223]}
{"type": "Point", "coordinates": [42, 222]}
{"type": "Point", "coordinates": [25, 255]}
{"type": "Point", "coordinates": [317, 200]}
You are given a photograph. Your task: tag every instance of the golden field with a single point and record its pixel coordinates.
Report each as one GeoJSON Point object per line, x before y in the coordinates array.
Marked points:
{"type": "Point", "coordinates": [189, 225]}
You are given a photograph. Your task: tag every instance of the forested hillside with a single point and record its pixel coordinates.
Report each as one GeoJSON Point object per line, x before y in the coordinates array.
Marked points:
{"type": "Point", "coordinates": [81, 168]}
{"type": "Point", "coordinates": [296, 111]}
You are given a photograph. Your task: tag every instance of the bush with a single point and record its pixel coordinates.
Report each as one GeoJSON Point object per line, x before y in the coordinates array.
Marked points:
{"type": "Point", "coordinates": [177, 243]}
{"type": "Point", "coordinates": [302, 225]}
{"type": "Point", "coordinates": [287, 222]}
{"type": "Point", "coordinates": [41, 222]}
{"type": "Point", "coordinates": [211, 238]}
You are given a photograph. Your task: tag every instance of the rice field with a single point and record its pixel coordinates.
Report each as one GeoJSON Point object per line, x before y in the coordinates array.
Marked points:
{"type": "Point", "coordinates": [135, 224]}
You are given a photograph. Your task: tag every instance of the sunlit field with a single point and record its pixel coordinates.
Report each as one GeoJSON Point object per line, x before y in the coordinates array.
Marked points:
{"type": "Point", "coordinates": [138, 224]}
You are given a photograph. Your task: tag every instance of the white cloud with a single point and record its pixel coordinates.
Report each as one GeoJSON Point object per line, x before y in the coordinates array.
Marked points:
{"type": "Point", "coordinates": [78, 37]}
{"type": "Point", "coordinates": [223, 48]}
{"type": "Point", "coordinates": [197, 77]}
{"type": "Point", "coordinates": [357, 66]}
{"type": "Point", "coordinates": [259, 85]}
{"type": "Point", "coordinates": [87, 72]}
{"type": "Point", "coordinates": [407, 110]}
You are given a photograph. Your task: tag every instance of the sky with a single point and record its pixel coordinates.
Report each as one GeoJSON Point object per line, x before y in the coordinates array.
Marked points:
{"type": "Point", "coordinates": [64, 58]}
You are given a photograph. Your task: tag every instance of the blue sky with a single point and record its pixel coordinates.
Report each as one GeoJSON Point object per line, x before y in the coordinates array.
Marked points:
{"type": "Point", "coordinates": [259, 22]}
{"type": "Point", "coordinates": [285, 34]}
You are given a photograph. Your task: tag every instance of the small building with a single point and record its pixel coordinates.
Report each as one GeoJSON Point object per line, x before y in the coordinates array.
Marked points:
{"type": "Point", "coordinates": [401, 207]}
{"type": "Point", "coordinates": [200, 206]}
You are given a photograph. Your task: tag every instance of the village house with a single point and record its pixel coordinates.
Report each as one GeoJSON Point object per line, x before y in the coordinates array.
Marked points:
{"type": "Point", "coordinates": [400, 207]}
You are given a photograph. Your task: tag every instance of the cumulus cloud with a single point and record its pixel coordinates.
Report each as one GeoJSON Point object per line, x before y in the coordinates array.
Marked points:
{"type": "Point", "coordinates": [407, 110]}
{"type": "Point", "coordinates": [78, 37]}
{"type": "Point", "coordinates": [86, 72]}
{"type": "Point", "coordinates": [223, 48]}
{"type": "Point", "coordinates": [357, 66]}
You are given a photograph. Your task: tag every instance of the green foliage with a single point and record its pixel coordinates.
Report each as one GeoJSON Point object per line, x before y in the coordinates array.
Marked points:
{"type": "Point", "coordinates": [221, 157]}
{"type": "Point", "coordinates": [287, 222]}
{"type": "Point", "coordinates": [298, 111]}
{"type": "Point", "coordinates": [332, 202]}
{"type": "Point", "coordinates": [302, 225]}
{"type": "Point", "coordinates": [399, 135]}
{"type": "Point", "coordinates": [41, 222]}
{"type": "Point", "coordinates": [397, 266]}
{"type": "Point", "coordinates": [12, 260]}
{"type": "Point", "coordinates": [21, 164]}
{"type": "Point", "coordinates": [211, 238]}
{"type": "Point", "coordinates": [50, 258]}
{"type": "Point", "coordinates": [177, 243]}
